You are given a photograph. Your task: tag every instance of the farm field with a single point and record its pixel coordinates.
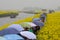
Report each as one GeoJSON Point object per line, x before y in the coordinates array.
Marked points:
{"type": "Point", "coordinates": [51, 30]}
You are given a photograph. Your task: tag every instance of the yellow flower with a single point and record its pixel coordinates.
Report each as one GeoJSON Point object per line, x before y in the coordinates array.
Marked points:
{"type": "Point", "coordinates": [51, 30]}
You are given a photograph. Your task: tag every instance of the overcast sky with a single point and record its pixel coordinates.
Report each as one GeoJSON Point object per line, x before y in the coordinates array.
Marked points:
{"type": "Point", "coordinates": [19, 4]}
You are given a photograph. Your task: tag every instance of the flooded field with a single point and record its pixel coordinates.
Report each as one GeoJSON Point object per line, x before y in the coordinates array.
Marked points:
{"type": "Point", "coordinates": [5, 20]}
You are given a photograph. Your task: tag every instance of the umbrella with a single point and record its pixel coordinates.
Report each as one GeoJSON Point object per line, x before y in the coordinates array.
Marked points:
{"type": "Point", "coordinates": [31, 24]}
{"type": "Point", "coordinates": [43, 15]}
{"type": "Point", "coordinates": [25, 24]}
{"type": "Point", "coordinates": [8, 31]}
{"type": "Point", "coordinates": [28, 34]}
{"type": "Point", "coordinates": [2, 38]}
{"type": "Point", "coordinates": [13, 37]}
{"type": "Point", "coordinates": [28, 24]}
{"type": "Point", "coordinates": [36, 19]}
{"type": "Point", "coordinates": [39, 23]}
{"type": "Point", "coordinates": [17, 27]}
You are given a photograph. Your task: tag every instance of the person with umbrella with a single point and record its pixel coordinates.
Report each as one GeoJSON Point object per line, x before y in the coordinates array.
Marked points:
{"type": "Point", "coordinates": [51, 11]}
{"type": "Point", "coordinates": [43, 17]}
{"type": "Point", "coordinates": [12, 29]}
{"type": "Point", "coordinates": [17, 27]}
{"type": "Point", "coordinates": [28, 35]}
{"type": "Point", "coordinates": [39, 23]}
{"type": "Point", "coordinates": [31, 26]}
{"type": "Point", "coordinates": [8, 31]}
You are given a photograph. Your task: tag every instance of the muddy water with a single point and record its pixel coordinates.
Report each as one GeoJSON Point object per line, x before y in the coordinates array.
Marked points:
{"type": "Point", "coordinates": [5, 20]}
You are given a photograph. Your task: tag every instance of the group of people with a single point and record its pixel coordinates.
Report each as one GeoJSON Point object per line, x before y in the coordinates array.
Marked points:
{"type": "Point", "coordinates": [24, 30]}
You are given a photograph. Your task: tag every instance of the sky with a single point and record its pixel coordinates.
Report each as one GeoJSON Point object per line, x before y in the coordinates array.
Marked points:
{"type": "Point", "coordinates": [19, 4]}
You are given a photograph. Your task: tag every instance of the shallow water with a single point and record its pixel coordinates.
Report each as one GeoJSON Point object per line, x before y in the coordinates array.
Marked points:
{"type": "Point", "coordinates": [5, 20]}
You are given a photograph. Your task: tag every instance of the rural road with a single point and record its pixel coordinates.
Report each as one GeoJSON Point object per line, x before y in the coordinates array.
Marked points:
{"type": "Point", "coordinates": [5, 20]}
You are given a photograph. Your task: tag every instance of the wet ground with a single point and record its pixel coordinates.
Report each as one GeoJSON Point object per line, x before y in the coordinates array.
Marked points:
{"type": "Point", "coordinates": [5, 20]}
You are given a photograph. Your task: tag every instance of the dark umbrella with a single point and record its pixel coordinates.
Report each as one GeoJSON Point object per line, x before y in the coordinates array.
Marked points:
{"type": "Point", "coordinates": [8, 31]}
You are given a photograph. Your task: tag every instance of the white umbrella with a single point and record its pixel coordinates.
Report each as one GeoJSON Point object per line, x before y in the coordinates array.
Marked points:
{"type": "Point", "coordinates": [28, 34]}
{"type": "Point", "coordinates": [17, 27]}
{"type": "Point", "coordinates": [31, 24]}
{"type": "Point", "coordinates": [28, 24]}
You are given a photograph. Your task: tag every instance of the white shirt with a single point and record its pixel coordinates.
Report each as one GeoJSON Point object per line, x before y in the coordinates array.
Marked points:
{"type": "Point", "coordinates": [17, 27]}
{"type": "Point", "coordinates": [28, 34]}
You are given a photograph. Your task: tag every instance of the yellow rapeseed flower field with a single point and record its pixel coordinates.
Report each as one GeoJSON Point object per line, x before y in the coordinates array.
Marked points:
{"type": "Point", "coordinates": [51, 30]}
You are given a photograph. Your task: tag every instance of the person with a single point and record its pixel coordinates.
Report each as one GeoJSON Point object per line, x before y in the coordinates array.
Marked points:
{"type": "Point", "coordinates": [39, 23]}
{"type": "Point", "coordinates": [26, 29]}
{"type": "Point", "coordinates": [53, 10]}
{"type": "Point", "coordinates": [43, 17]}
{"type": "Point", "coordinates": [17, 27]}
{"type": "Point", "coordinates": [50, 11]}
{"type": "Point", "coordinates": [31, 26]}
{"type": "Point", "coordinates": [27, 35]}
{"type": "Point", "coordinates": [35, 29]}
